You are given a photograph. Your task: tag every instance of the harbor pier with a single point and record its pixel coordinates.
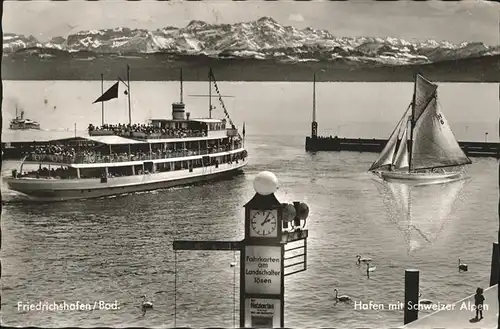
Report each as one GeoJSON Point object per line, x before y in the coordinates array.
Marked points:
{"type": "Point", "coordinates": [320, 143]}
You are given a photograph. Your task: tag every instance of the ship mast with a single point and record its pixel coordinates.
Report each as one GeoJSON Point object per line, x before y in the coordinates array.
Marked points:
{"type": "Point", "coordinates": [128, 94]}
{"type": "Point", "coordinates": [102, 103]}
{"type": "Point", "coordinates": [210, 93]}
{"type": "Point", "coordinates": [212, 77]}
{"type": "Point", "coordinates": [181, 85]}
{"type": "Point", "coordinates": [412, 123]}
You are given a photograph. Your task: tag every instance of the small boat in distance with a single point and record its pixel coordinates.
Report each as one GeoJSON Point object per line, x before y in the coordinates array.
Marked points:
{"type": "Point", "coordinates": [432, 154]}
{"type": "Point", "coordinates": [123, 158]}
{"type": "Point", "coordinates": [20, 123]}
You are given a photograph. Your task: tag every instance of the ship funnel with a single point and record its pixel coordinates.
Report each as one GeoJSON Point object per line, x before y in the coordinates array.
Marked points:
{"type": "Point", "coordinates": [178, 111]}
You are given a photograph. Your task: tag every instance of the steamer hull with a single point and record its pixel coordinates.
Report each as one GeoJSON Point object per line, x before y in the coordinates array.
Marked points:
{"type": "Point", "coordinates": [62, 190]}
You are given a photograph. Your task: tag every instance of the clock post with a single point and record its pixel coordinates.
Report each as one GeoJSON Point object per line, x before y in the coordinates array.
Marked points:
{"type": "Point", "coordinates": [262, 266]}
{"type": "Point", "coordinates": [263, 253]}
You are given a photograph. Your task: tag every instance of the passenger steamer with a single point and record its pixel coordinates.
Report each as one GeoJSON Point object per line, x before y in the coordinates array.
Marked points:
{"type": "Point", "coordinates": [20, 123]}
{"type": "Point", "coordinates": [117, 159]}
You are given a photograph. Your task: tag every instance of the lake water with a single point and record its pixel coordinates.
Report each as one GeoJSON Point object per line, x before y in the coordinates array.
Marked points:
{"type": "Point", "coordinates": [120, 248]}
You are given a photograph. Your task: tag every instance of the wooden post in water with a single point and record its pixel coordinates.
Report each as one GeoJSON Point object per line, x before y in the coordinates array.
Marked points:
{"type": "Point", "coordinates": [411, 296]}
{"type": "Point", "coordinates": [495, 262]}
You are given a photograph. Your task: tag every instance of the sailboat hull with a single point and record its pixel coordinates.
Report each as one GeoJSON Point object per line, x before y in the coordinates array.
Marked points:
{"type": "Point", "coordinates": [424, 178]}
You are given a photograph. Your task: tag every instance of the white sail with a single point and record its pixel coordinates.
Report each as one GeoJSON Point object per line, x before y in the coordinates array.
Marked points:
{"type": "Point", "coordinates": [424, 91]}
{"type": "Point", "coordinates": [387, 155]}
{"type": "Point", "coordinates": [434, 144]}
{"type": "Point", "coordinates": [401, 159]}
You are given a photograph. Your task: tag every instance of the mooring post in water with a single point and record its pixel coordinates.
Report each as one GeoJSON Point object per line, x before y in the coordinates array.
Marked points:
{"type": "Point", "coordinates": [411, 295]}
{"type": "Point", "coordinates": [495, 262]}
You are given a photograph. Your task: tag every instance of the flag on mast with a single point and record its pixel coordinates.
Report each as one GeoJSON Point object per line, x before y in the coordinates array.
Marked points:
{"type": "Point", "coordinates": [111, 93]}
{"type": "Point", "coordinates": [243, 129]}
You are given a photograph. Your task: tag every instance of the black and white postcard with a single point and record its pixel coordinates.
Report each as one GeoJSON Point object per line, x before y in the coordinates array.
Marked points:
{"type": "Point", "coordinates": [326, 164]}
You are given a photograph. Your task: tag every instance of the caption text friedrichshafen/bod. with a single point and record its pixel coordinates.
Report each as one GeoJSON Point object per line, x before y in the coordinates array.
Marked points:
{"type": "Point", "coordinates": [67, 306]}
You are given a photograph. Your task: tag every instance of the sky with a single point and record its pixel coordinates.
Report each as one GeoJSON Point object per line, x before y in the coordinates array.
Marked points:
{"type": "Point", "coordinates": [468, 20]}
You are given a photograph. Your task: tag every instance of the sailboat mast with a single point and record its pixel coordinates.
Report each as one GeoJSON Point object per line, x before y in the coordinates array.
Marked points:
{"type": "Point", "coordinates": [412, 123]}
{"type": "Point", "coordinates": [128, 94]}
{"type": "Point", "coordinates": [102, 103]}
{"type": "Point", "coordinates": [210, 93]}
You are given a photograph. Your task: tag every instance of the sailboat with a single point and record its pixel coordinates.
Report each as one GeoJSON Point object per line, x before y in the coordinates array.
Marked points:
{"type": "Point", "coordinates": [432, 154]}
{"type": "Point", "coordinates": [421, 213]}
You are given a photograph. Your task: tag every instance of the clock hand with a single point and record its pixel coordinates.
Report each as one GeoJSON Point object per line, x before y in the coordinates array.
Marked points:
{"type": "Point", "coordinates": [265, 220]}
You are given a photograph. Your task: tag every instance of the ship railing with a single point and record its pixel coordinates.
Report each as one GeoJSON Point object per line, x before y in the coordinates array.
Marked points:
{"type": "Point", "coordinates": [102, 133]}
{"type": "Point", "coordinates": [143, 135]}
{"type": "Point", "coordinates": [232, 132]}
{"type": "Point", "coordinates": [100, 158]}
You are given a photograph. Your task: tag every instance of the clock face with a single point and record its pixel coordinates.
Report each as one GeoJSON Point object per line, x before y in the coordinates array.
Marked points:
{"type": "Point", "coordinates": [263, 223]}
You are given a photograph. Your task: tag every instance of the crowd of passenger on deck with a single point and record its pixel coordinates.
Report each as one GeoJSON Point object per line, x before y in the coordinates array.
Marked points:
{"type": "Point", "coordinates": [68, 154]}
{"type": "Point", "coordinates": [45, 172]}
{"type": "Point", "coordinates": [61, 152]}
{"type": "Point", "coordinates": [124, 130]}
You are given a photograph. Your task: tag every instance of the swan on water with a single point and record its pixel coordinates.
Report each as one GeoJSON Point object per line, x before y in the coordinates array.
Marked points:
{"type": "Point", "coordinates": [145, 305]}
{"type": "Point", "coordinates": [342, 298]}
{"type": "Point", "coordinates": [369, 269]}
{"type": "Point", "coordinates": [424, 300]}
{"type": "Point", "coordinates": [462, 266]}
{"type": "Point", "coordinates": [362, 259]}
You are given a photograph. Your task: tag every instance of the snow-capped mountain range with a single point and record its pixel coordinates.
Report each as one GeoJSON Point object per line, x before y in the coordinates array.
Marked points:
{"type": "Point", "coordinates": [261, 39]}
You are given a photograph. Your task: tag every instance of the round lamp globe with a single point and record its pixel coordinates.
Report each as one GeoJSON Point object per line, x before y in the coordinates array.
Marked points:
{"type": "Point", "coordinates": [265, 183]}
